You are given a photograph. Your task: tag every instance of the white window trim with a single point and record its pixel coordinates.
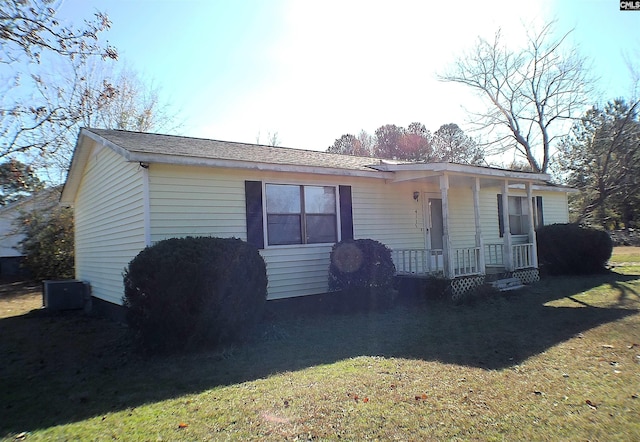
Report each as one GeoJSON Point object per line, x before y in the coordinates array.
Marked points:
{"type": "Point", "coordinates": [298, 183]}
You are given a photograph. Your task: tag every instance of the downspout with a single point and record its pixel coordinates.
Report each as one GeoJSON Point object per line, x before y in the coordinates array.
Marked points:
{"type": "Point", "coordinates": [146, 204]}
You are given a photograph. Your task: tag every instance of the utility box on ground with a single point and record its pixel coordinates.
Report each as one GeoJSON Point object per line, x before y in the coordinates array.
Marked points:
{"type": "Point", "coordinates": [63, 295]}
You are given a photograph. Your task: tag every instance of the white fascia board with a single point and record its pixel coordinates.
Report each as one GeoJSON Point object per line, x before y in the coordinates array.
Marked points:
{"type": "Point", "coordinates": [74, 174]}
{"type": "Point", "coordinates": [100, 140]}
{"type": "Point", "coordinates": [413, 175]}
{"type": "Point", "coordinates": [549, 188]}
{"type": "Point", "coordinates": [235, 164]}
{"type": "Point", "coordinates": [81, 155]}
{"type": "Point", "coordinates": [463, 169]}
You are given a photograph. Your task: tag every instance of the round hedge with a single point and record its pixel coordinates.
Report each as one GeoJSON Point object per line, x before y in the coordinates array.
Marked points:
{"type": "Point", "coordinates": [570, 249]}
{"type": "Point", "coordinates": [363, 270]}
{"type": "Point", "coordinates": [191, 292]}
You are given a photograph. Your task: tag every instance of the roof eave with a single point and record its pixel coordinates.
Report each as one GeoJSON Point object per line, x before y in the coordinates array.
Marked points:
{"type": "Point", "coordinates": [74, 173]}
{"type": "Point", "coordinates": [79, 160]}
{"type": "Point", "coordinates": [151, 158]}
{"type": "Point", "coordinates": [463, 169]}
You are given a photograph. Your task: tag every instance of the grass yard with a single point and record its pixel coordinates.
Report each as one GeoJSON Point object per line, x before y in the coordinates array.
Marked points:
{"type": "Point", "coordinates": [626, 255]}
{"type": "Point", "coordinates": [558, 360]}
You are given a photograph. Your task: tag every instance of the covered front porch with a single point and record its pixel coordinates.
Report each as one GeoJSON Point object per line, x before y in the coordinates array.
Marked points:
{"type": "Point", "coordinates": [477, 221]}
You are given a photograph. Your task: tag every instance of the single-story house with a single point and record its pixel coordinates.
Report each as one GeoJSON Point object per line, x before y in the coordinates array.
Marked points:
{"type": "Point", "coordinates": [11, 256]}
{"type": "Point", "coordinates": [130, 190]}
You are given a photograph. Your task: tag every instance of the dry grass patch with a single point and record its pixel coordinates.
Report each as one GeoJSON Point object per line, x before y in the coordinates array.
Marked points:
{"type": "Point", "coordinates": [625, 255]}
{"type": "Point", "coordinates": [17, 298]}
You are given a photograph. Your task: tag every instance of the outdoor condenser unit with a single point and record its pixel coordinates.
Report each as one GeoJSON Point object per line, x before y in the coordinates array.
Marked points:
{"type": "Point", "coordinates": [63, 295]}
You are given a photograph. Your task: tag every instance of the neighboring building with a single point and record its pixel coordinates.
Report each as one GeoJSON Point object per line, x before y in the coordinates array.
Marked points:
{"type": "Point", "coordinates": [10, 236]}
{"type": "Point", "coordinates": [130, 190]}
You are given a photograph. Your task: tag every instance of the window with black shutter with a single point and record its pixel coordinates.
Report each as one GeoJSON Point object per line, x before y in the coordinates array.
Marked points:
{"type": "Point", "coordinates": [519, 214]}
{"type": "Point", "coordinates": [297, 214]}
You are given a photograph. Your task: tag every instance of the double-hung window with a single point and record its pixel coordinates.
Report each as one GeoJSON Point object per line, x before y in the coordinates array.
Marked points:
{"type": "Point", "coordinates": [298, 214]}
{"type": "Point", "coordinates": [519, 214]}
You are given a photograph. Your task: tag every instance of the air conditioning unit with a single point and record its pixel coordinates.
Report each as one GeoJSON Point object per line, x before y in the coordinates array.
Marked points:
{"type": "Point", "coordinates": [63, 295]}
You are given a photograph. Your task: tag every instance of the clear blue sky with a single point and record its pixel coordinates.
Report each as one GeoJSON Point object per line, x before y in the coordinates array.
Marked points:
{"type": "Point", "coordinates": [314, 70]}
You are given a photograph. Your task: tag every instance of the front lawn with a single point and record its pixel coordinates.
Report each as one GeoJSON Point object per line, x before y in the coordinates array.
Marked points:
{"type": "Point", "coordinates": [626, 255]}
{"type": "Point", "coordinates": [558, 360]}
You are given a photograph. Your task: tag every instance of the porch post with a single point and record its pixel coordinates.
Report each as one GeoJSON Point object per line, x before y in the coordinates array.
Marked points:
{"type": "Point", "coordinates": [446, 239]}
{"type": "Point", "coordinates": [532, 226]}
{"type": "Point", "coordinates": [476, 212]}
{"type": "Point", "coordinates": [507, 254]}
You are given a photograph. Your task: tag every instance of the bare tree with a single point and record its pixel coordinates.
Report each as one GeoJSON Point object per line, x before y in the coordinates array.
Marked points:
{"type": "Point", "coordinates": [631, 60]}
{"type": "Point", "coordinates": [102, 96]}
{"type": "Point", "coordinates": [133, 103]}
{"type": "Point", "coordinates": [367, 143]}
{"type": "Point", "coordinates": [31, 41]}
{"type": "Point", "coordinates": [531, 92]}
{"type": "Point", "coordinates": [272, 139]}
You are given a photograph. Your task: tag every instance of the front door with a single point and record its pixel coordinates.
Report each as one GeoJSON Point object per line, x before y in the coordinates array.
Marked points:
{"type": "Point", "coordinates": [435, 231]}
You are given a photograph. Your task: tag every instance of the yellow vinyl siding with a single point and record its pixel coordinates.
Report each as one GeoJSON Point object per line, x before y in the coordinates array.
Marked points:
{"type": "Point", "coordinates": [193, 201]}
{"type": "Point", "coordinates": [387, 213]}
{"type": "Point", "coordinates": [489, 215]}
{"type": "Point", "coordinates": [555, 207]}
{"type": "Point", "coordinates": [297, 270]}
{"type": "Point", "coordinates": [461, 218]}
{"type": "Point", "coordinates": [198, 201]}
{"type": "Point", "coordinates": [109, 222]}
{"type": "Point", "coordinates": [554, 210]}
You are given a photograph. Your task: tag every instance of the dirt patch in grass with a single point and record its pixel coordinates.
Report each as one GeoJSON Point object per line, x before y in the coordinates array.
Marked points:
{"type": "Point", "coordinates": [18, 297]}
{"type": "Point", "coordinates": [493, 370]}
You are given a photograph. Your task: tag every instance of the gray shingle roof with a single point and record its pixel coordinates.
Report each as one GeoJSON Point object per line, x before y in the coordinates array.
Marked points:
{"type": "Point", "coordinates": [178, 146]}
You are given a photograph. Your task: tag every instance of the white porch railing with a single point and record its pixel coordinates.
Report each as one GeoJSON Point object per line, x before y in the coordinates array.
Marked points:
{"type": "Point", "coordinates": [522, 255]}
{"type": "Point", "coordinates": [418, 261]}
{"type": "Point", "coordinates": [466, 261]}
{"type": "Point", "coordinates": [493, 255]}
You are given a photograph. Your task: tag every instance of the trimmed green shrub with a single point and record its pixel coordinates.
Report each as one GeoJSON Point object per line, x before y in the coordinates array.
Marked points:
{"type": "Point", "coordinates": [363, 270]}
{"type": "Point", "coordinates": [48, 243]}
{"type": "Point", "coordinates": [185, 293]}
{"type": "Point", "coordinates": [569, 249]}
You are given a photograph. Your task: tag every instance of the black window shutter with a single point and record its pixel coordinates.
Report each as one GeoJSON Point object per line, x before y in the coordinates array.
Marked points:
{"type": "Point", "coordinates": [540, 214]}
{"type": "Point", "coordinates": [500, 219]}
{"type": "Point", "coordinates": [253, 201]}
{"type": "Point", "coordinates": [346, 213]}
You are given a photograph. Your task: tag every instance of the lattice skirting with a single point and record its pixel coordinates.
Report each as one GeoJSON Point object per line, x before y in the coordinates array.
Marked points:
{"type": "Point", "coordinates": [460, 286]}
{"type": "Point", "coordinates": [527, 276]}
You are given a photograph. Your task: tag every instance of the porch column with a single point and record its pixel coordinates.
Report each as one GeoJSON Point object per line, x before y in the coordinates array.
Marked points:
{"type": "Point", "coordinates": [446, 239]}
{"type": "Point", "coordinates": [476, 212]}
{"type": "Point", "coordinates": [507, 255]}
{"type": "Point", "coordinates": [532, 226]}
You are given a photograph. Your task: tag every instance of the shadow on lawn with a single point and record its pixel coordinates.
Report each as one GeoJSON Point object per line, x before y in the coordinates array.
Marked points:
{"type": "Point", "coordinates": [63, 367]}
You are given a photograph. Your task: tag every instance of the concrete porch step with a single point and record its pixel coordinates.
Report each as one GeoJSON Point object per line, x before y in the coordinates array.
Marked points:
{"type": "Point", "coordinates": [506, 284]}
